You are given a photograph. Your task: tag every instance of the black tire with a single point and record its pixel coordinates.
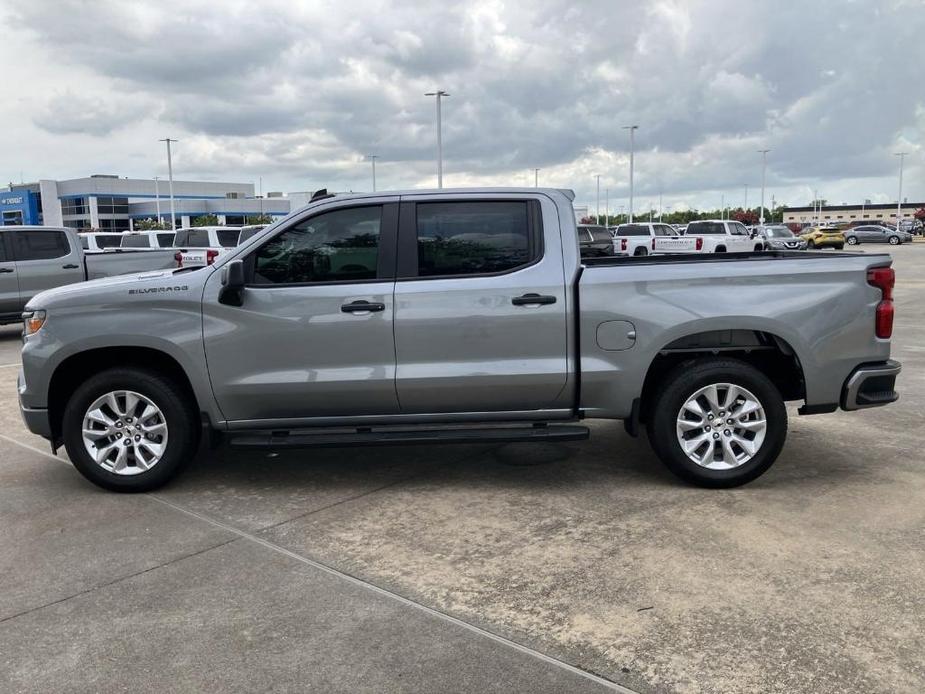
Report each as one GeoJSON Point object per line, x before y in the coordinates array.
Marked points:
{"type": "Point", "coordinates": [853, 241]}
{"type": "Point", "coordinates": [642, 250]}
{"type": "Point", "coordinates": [720, 249]}
{"type": "Point", "coordinates": [811, 245]}
{"type": "Point", "coordinates": [839, 247]}
{"type": "Point", "coordinates": [759, 248]}
{"type": "Point", "coordinates": [895, 241]}
{"type": "Point", "coordinates": [683, 382]}
{"type": "Point", "coordinates": [176, 405]}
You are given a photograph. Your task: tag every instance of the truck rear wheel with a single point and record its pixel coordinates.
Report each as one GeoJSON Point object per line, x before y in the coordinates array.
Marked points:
{"type": "Point", "coordinates": [717, 422]}
{"type": "Point", "coordinates": [129, 429]}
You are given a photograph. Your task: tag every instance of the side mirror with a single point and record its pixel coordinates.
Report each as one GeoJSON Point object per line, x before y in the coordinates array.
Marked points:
{"type": "Point", "coordinates": [232, 292]}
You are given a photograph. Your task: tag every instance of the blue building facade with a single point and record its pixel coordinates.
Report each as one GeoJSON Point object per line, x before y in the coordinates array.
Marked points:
{"type": "Point", "coordinates": [20, 206]}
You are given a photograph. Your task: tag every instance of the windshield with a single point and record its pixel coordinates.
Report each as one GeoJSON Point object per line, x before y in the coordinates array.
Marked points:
{"type": "Point", "coordinates": [705, 228]}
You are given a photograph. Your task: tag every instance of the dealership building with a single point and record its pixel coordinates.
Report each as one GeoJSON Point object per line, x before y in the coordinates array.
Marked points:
{"type": "Point", "coordinates": [851, 213]}
{"type": "Point", "coordinates": [111, 203]}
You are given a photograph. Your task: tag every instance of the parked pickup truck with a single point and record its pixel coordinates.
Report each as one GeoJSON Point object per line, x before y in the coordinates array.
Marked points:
{"type": "Point", "coordinates": [723, 236]}
{"type": "Point", "coordinates": [645, 239]}
{"type": "Point", "coordinates": [452, 316]}
{"type": "Point", "coordinates": [33, 259]}
{"type": "Point", "coordinates": [201, 246]}
{"type": "Point", "coordinates": [147, 240]}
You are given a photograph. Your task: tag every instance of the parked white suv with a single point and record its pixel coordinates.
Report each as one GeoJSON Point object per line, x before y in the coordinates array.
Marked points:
{"type": "Point", "coordinates": [723, 236]}
{"type": "Point", "coordinates": [97, 242]}
{"type": "Point", "coordinates": [648, 238]}
{"type": "Point", "coordinates": [200, 246]}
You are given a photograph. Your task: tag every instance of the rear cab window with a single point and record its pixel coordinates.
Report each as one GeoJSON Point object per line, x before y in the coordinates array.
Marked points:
{"type": "Point", "coordinates": [108, 240]}
{"type": "Point", "coordinates": [193, 238]}
{"type": "Point", "coordinates": [695, 228]}
{"type": "Point", "coordinates": [633, 230]}
{"type": "Point", "coordinates": [228, 238]}
{"type": "Point", "coordinates": [165, 240]}
{"type": "Point", "coordinates": [135, 241]}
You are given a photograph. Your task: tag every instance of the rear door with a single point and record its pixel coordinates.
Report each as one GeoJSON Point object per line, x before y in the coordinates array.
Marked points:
{"type": "Point", "coordinates": [313, 337]}
{"type": "Point", "coordinates": [480, 306]}
{"type": "Point", "coordinates": [45, 259]}
{"type": "Point", "coordinates": [9, 280]}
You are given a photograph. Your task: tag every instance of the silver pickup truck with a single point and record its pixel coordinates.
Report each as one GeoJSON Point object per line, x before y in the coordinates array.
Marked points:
{"type": "Point", "coordinates": [33, 259]}
{"type": "Point", "coordinates": [452, 316]}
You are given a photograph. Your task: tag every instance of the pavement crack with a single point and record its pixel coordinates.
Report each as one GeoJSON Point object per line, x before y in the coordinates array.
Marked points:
{"type": "Point", "coordinates": [118, 580]}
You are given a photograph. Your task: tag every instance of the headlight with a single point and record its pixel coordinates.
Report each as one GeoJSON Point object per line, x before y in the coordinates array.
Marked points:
{"type": "Point", "coordinates": [33, 322]}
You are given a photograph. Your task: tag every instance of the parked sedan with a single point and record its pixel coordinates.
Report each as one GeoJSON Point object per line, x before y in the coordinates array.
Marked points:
{"type": "Point", "coordinates": [779, 237]}
{"type": "Point", "coordinates": [875, 233]}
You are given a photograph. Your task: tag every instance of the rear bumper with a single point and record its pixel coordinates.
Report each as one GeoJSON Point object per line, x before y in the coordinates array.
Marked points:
{"type": "Point", "coordinates": [871, 385]}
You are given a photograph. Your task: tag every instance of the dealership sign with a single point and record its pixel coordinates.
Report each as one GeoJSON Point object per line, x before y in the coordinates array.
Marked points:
{"type": "Point", "coordinates": [11, 201]}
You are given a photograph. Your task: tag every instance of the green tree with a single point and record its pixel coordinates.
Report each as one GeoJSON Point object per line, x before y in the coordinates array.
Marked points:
{"type": "Point", "coordinates": [205, 220]}
{"type": "Point", "coordinates": [150, 224]}
{"type": "Point", "coordinates": [259, 219]}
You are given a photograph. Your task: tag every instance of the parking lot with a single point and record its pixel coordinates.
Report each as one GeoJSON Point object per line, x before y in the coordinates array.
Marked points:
{"type": "Point", "coordinates": [521, 567]}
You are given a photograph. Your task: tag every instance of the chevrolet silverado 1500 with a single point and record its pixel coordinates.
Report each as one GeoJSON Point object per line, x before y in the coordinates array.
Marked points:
{"type": "Point", "coordinates": [452, 316]}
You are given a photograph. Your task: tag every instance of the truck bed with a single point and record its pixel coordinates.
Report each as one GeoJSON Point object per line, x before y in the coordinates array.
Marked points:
{"type": "Point", "coordinates": [669, 259]}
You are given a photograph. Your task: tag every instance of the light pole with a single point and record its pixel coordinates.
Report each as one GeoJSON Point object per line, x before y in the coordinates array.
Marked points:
{"type": "Point", "coordinates": [632, 129]}
{"type": "Point", "coordinates": [899, 200]}
{"type": "Point", "coordinates": [659, 206]}
{"type": "Point", "coordinates": [764, 167]}
{"type": "Point", "coordinates": [606, 206]}
{"type": "Point", "coordinates": [722, 206]}
{"type": "Point", "coordinates": [173, 211]}
{"type": "Point", "coordinates": [745, 207]}
{"type": "Point", "coordinates": [536, 178]}
{"type": "Point", "coordinates": [598, 214]}
{"type": "Point", "coordinates": [817, 207]}
{"type": "Point", "coordinates": [439, 94]}
{"type": "Point", "coordinates": [373, 158]}
{"type": "Point", "coordinates": [157, 200]}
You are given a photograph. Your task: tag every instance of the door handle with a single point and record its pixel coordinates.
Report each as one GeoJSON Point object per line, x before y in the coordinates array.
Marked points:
{"type": "Point", "coordinates": [528, 299]}
{"type": "Point", "coordinates": [6, 269]}
{"type": "Point", "coordinates": [70, 266]}
{"type": "Point", "coordinates": [361, 305]}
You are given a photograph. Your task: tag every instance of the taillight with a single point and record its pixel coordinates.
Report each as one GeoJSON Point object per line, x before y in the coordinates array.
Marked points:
{"type": "Point", "coordinates": [699, 243]}
{"type": "Point", "coordinates": [884, 278]}
{"type": "Point", "coordinates": [623, 243]}
{"type": "Point", "coordinates": [211, 256]}
{"type": "Point", "coordinates": [653, 243]}
{"type": "Point", "coordinates": [179, 258]}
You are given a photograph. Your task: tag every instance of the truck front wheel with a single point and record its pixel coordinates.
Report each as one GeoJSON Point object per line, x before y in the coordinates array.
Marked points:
{"type": "Point", "coordinates": [717, 422]}
{"type": "Point", "coordinates": [129, 429]}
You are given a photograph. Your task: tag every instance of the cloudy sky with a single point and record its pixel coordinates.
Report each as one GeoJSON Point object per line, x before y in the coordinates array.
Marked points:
{"type": "Point", "coordinates": [299, 92]}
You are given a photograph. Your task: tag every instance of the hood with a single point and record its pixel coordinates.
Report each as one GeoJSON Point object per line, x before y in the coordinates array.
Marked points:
{"type": "Point", "coordinates": [116, 287]}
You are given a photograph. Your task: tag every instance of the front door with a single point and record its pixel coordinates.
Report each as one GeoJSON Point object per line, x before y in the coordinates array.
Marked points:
{"type": "Point", "coordinates": [9, 281]}
{"type": "Point", "coordinates": [480, 307]}
{"type": "Point", "coordinates": [313, 337]}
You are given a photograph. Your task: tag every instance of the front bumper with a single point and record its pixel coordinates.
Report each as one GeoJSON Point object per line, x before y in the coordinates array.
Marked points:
{"type": "Point", "coordinates": [36, 419]}
{"type": "Point", "coordinates": [871, 385]}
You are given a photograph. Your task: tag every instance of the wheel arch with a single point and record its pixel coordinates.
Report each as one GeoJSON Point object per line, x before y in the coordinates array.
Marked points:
{"type": "Point", "coordinates": [76, 368]}
{"type": "Point", "coordinates": [766, 351]}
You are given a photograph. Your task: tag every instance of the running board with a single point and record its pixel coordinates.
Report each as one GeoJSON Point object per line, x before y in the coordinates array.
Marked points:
{"type": "Point", "coordinates": [406, 437]}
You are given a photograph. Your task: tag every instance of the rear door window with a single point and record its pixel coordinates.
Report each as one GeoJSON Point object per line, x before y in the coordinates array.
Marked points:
{"type": "Point", "coordinates": [165, 240]}
{"type": "Point", "coordinates": [600, 234]}
{"type": "Point", "coordinates": [41, 245]}
{"type": "Point", "coordinates": [473, 238]}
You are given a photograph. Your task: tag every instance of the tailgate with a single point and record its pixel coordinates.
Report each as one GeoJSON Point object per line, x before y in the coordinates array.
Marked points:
{"type": "Point", "coordinates": [675, 244]}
